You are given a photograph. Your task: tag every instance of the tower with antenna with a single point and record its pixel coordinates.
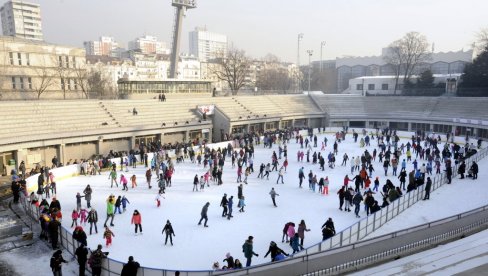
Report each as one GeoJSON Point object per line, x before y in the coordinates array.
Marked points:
{"type": "Point", "coordinates": [180, 10]}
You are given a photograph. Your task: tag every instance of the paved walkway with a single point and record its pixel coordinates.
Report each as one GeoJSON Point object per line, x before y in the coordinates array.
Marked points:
{"type": "Point", "coordinates": [467, 256]}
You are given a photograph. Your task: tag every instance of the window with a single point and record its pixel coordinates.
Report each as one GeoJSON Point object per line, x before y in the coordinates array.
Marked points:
{"type": "Point", "coordinates": [11, 55]}
{"type": "Point", "coordinates": [75, 84]}
{"type": "Point", "coordinates": [359, 87]}
{"type": "Point", "coordinates": [21, 83]}
{"type": "Point", "coordinates": [62, 84]}
{"type": "Point", "coordinates": [74, 62]}
{"type": "Point", "coordinates": [29, 82]}
{"type": "Point", "coordinates": [14, 86]}
{"type": "Point", "coordinates": [60, 58]}
{"type": "Point", "coordinates": [67, 61]}
{"type": "Point", "coordinates": [27, 59]}
{"type": "Point", "coordinates": [384, 86]}
{"type": "Point", "coordinates": [19, 58]}
{"type": "Point", "coordinates": [371, 86]}
{"type": "Point", "coordinates": [68, 82]}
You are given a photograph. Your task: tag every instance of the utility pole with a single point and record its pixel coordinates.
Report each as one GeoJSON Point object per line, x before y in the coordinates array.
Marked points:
{"type": "Point", "coordinates": [300, 37]}
{"type": "Point", "coordinates": [310, 53]}
{"type": "Point", "coordinates": [322, 44]}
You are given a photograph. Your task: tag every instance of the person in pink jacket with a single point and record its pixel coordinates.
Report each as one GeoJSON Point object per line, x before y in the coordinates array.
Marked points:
{"type": "Point", "coordinates": [83, 216]}
{"type": "Point", "coordinates": [137, 220]}
{"type": "Point", "coordinates": [75, 217]}
{"type": "Point", "coordinates": [291, 231]}
{"type": "Point", "coordinates": [123, 181]}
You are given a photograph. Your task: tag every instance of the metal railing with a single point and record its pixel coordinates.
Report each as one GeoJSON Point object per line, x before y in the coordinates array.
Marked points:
{"type": "Point", "coordinates": [347, 238]}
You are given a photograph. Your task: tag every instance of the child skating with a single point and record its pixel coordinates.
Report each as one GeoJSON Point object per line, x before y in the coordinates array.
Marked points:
{"type": "Point", "coordinates": [107, 235]}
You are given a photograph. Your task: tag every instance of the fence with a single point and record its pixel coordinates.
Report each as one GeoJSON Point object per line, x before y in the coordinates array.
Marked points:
{"type": "Point", "coordinates": [344, 240]}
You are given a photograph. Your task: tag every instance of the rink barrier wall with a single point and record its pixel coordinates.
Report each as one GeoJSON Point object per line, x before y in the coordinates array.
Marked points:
{"type": "Point", "coordinates": [303, 261]}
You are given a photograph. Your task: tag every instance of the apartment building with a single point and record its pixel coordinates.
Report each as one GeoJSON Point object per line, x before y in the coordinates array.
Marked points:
{"type": "Point", "coordinates": [21, 19]}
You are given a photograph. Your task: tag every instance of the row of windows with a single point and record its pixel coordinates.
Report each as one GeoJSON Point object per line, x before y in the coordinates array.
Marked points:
{"type": "Point", "coordinates": [64, 61]}
{"type": "Point", "coordinates": [19, 58]}
{"type": "Point", "coordinates": [371, 86]}
{"type": "Point", "coordinates": [69, 84]}
{"type": "Point", "coordinates": [25, 83]}
{"type": "Point", "coordinates": [21, 83]}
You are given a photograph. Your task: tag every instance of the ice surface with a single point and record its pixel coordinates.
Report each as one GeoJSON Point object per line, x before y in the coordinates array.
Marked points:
{"type": "Point", "coordinates": [196, 247]}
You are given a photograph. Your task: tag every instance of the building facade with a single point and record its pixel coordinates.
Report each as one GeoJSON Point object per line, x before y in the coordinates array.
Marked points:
{"type": "Point", "coordinates": [21, 19]}
{"type": "Point", "coordinates": [149, 45]}
{"type": "Point", "coordinates": [385, 85]}
{"type": "Point", "coordinates": [32, 69]}
{"type": "Point", "coordinates": [440, 63]}
{"type": "Point", "coordinates": [206, 45]}
{"type": "Point", "coordinates": [105, 46]}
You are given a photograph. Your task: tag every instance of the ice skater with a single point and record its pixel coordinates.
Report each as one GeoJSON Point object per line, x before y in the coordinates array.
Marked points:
{"type": "Point", "coordinates": [137, 221]}
{"type": "Point", "coordinates": [169, 232]}
{"type": "Point", "coordinates": [107, 235]}
{"type": "Point", "coordinates": [273, 195]}
{"type": "Point", "coordinates": [203, 214]}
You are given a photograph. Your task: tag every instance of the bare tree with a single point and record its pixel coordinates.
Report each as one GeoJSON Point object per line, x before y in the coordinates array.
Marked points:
{"type": "Point", "coordinates": [482, 39]}
{"type": "Point", "coordinates": [45, 77]}
{"type": "Point", "coordinates": [274, 79]}
{"type": "Point", "coordinates": [63, 73]}
{"type": "Point", "coordinates": [232, 68]}
{"type": "Point", "coordinates": [99, 84]}
{"type": "Point", "coordinates": [81, 76]}
{"type": "Point", "coordinates": [405, 54]}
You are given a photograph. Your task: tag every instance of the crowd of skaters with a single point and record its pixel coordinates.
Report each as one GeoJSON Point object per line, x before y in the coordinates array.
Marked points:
{"type": "Point", "coordinates": [243, 157]}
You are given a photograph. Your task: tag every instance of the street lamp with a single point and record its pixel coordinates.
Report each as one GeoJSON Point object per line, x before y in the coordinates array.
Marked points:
{"type": "Point", "coordinates": [300, 37]}
{"type": "Point", "coordinates": [322, 44]}
{"type": "Point", "coordinates": [310, 53]}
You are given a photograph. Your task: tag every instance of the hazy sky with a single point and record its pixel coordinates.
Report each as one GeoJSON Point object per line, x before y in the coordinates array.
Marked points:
{"type": "Point", "coordinates": [349, 27]}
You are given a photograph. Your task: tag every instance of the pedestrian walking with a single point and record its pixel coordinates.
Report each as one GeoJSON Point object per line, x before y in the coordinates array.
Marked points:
{"type": "Point", "coordinates": [81, 254]}
{"type": "Point", "coordinates": [56, 263]}
{"type": "Point", "coordinates": [130, 268]}
{"type": "Point", "coordinates": [428, 186]}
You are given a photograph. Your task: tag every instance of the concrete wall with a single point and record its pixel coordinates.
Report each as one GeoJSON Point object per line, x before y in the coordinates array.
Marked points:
{"type": "Point", "coordinates": [220, 123]}
{"type": "Point", "coordinates": [122, 144]}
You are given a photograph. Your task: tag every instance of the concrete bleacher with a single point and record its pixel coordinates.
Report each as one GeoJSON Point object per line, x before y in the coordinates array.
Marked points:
{"type": "Point", "coordinates": [427, 108]}
{"type": "Point", "coordinates": [43, 117]}
{"type": "Point", "coordinates": [279, 105]}
{"type": "Point", "coordinates": [151, 112]}
{"type": "Point", "coordinates": [27, 118]}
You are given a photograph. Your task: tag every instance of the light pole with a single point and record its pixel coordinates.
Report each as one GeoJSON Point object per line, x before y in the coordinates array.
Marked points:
{"type": "Point", "coordinates": [322, 44]}
{"type": "Point", "coordinates": [310, 53]}
{"type": "Point", "coordinates": [300, 37]}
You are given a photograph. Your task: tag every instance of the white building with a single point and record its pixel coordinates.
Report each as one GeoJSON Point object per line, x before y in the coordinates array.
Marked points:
{"type": "Point", "coordinates": [21, 19]}
{"type": "Point", "coordinates": [149, 45]}
{"type": "Point", "coordinates": [385, 85]}
{"type": "Point", "coordinates": [440, 63]}
{"type": "Point", "coordinates": [34, 69]}
{"type": "Point", "coordinates": [189, 68]}
{"type": "Point", "coordinates": [207, 45]}
{"type": "Point", "coordinates": [105, 46]}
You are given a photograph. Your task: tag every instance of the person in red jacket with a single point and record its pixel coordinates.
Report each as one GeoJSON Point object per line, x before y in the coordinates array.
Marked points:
{"type": "Point", "coordinates": [137, 220]}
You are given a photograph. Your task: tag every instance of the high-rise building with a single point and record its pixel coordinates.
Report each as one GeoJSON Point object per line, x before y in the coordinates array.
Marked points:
{"type": "Point", "coordinates": [105, 46]}
{"type": "Point", "coordinates": [21, 19]}
{"type": "Point", "coordinates": [149, 45]}
{"type": "Point", "coordinates": [206, 45]}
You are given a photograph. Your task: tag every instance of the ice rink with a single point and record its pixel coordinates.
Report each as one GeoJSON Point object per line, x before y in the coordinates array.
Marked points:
{"type": "Point", "coordinates": [196, 247]}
